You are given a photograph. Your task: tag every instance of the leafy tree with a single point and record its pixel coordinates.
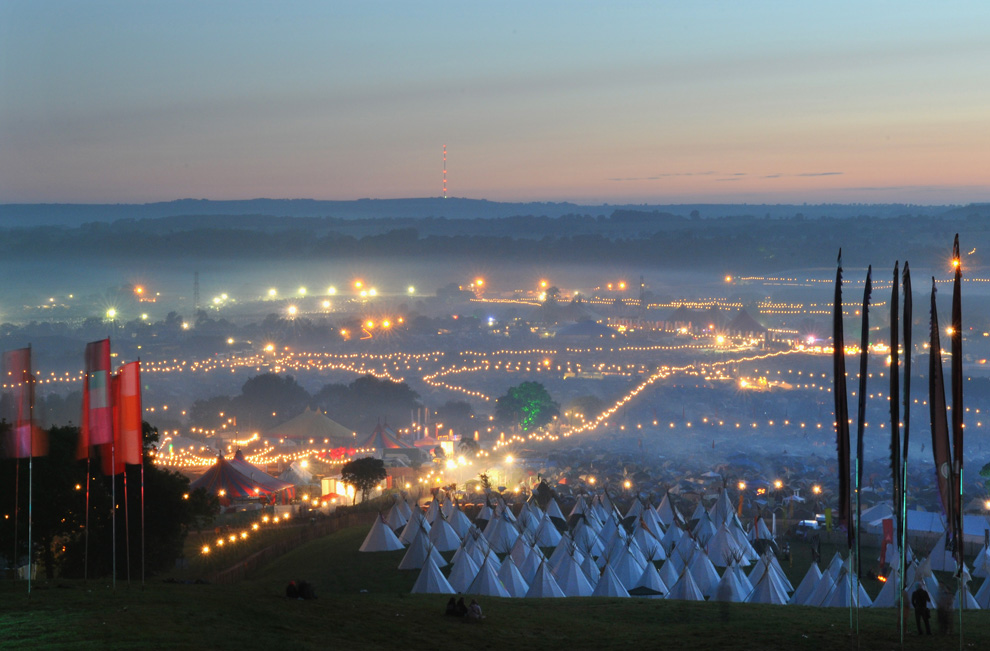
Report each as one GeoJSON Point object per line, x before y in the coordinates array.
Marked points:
{"type": "Point", "coordinates": [366, 401]}
{"type": "Point", "coordinates": [59, 510]}
{"type": "Point", "coordinates": [269, 399]}
{"type": "Point", "coordinates": [456, 415]}
{"type": "Point", "coordinates": [467, 446]}
{"type": "Point", "coordinates": [587, 407]}
{"type": "Point", "coordinates": [206, 413]}
{"type": "Point", "coordinates": [985, 473]}
{"type": "Point", "coordinates": [363, 474]}
{"type": "Point", "coordinates": [527, 406]}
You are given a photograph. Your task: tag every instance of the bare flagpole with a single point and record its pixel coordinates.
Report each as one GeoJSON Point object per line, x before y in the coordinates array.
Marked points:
{"type": "Point", "coordinates": [142, 519]}
{"type": "Point", "coordinates": [861, 413]}
{"type": "Point", "coordinates": [17, 505]}
{"type": "Point", "coordinates": [902, 507]}
{"type": "Point", "coordinates": [86, 537]}
{"type": "Point", "coordinates": [30, 389]}
{"type": "Point", "coordinates": [127, 529]}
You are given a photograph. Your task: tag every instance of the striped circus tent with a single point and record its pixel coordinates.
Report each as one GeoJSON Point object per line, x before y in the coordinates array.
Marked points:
{"type": "Point", "coordinates": [238, 479]}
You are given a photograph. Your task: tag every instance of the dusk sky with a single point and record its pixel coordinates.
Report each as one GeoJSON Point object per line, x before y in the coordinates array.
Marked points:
{"type": "Point", "coordinates": [655, 102]}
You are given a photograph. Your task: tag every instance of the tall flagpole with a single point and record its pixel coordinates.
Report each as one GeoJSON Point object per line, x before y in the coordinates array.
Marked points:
{"type": "Point", "coordinates": [957, 426]}
{"type": "Point", "coordinates": [113, 516]}
{"type": "Point", "coordinates": [30, 505]}
{"type": "Point", "coordinates": [895, 432]}
{"type": "Point", "coordinates": [17, 504]}
{"type": "Point", "coordinates": [841, 414]}
{"type": "Point", "coordinates": [142, 514]}
{"type": "Point", "coordinates": [127, 528]}
{"type": "Point", "coordinates": [86, 537]}
{"type": "Point", "coordinates": [861, 414]}
{"type": "Point", "coordinates": [30, 389]}
{"type": "Point", "coordinates": [902, 507]}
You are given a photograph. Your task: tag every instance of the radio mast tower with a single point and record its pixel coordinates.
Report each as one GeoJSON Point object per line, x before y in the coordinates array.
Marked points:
{"type": "Point", "coordinates": [445, 171]}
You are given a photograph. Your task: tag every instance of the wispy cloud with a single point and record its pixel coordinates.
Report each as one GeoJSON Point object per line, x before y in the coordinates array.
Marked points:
{"type": "Point", "coordinates": [724, 176]}
{"type": "Point", "coordinates": [667, 175]}
{"type": "Point", "coordinates": [802, 174]}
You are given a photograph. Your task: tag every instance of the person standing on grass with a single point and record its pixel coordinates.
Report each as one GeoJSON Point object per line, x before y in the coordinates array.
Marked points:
{"type": "Point", "coordinates": [919, 601]}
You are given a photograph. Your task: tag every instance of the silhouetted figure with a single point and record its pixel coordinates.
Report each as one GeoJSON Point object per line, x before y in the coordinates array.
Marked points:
{"type": "Point", "coordinates": [474, 612]}
{"type": "Point", "coordinates": [944, 611]}
{"type": "Point", "coordinates": [451, 610]}
{"type": "Point", "coordinates": [919, 601]}
{"type": "Point", "coordinates": [306, 590]}
{"type": "Point", "coordinates": [292, 590]}
{"type": "Point", "coordinates": [461, 607]}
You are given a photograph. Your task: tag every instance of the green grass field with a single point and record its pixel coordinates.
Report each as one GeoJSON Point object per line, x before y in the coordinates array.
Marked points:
{"type": "Point", "coordinates": [364, 603]}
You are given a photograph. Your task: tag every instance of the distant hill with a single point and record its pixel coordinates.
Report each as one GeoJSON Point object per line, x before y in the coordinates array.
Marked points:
{"type": "Point", "coordinates": [72, 215]}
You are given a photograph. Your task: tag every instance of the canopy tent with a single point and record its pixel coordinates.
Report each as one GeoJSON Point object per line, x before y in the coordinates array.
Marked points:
{"type": "Point", "coordinates": [314, 425]}
{"type": "Point", "coordinates": [238, 479]}
{"type": "Point", "coordinates": [296, 474]}
{"type": "Point", "coordinates": [383, 438]}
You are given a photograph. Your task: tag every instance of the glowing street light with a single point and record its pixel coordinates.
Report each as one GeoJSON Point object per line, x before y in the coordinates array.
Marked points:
{"type": "Point", "coordinates": [111, 313]}
{"type": "Point", "coordinates": [331, 290]}
{"type": "Point", "coordinates": [411, 289]}
{"type": "Point", "coordinates": [272, 292]}
{"type": "Point", "coordinates": [292, 310]}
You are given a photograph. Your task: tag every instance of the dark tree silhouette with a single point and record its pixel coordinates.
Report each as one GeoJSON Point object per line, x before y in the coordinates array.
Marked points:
{"type": "Point", "coordinates": [527, 406]}
{"type": "Point", "coordinates": [364, 474]}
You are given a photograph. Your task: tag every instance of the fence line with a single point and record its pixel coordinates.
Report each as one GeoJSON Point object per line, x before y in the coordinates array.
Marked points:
{"type": "Point", "coordinates": [303, 535]}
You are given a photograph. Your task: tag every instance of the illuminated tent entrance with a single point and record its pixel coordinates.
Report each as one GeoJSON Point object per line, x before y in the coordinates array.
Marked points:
{"type": "Point", "coordinates": [239, 480]}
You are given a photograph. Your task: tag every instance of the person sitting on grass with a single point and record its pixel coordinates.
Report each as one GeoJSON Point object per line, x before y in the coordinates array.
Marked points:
{"type": "Point", "coordinates": [451, 608]}
{"type": "Point", "coordinates": [474, 612]}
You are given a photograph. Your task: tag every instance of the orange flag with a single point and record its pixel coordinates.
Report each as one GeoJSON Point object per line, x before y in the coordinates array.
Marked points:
{"type": "Point", "coordinates": [129, 413]}
{"type": "Point", "coordinates": [24, 438]}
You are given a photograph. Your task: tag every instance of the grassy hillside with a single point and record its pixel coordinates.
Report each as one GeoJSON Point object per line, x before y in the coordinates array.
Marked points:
{"type": "Point", "coordinates": [364, 604]}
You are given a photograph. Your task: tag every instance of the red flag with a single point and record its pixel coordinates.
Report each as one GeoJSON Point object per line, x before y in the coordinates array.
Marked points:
{"type": "Point", "coordinates": [129, 413]}
{"type": "Point", "coordinates": [97, 399]}
{"type": "Point", "coordinates": [888, 539]}
{"type": "Point", "coordinates": [82, 447]}
{"type": "Point", "coordinates": [110, 461]}
{"type": "Point", "coordinates": [24, 439]}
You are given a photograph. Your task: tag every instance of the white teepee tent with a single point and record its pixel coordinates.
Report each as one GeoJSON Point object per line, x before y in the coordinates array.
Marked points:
{"type": "Point", "coordinates": [609, 585]}
{"type": "Point", "coordinates": [543, 584]}
{"type": "Point", "coordinates": [511, 579]}
{"type": "Point", "coordinates": [380, 538]}
{"type": "Point", "coordinates": [431, 581]}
